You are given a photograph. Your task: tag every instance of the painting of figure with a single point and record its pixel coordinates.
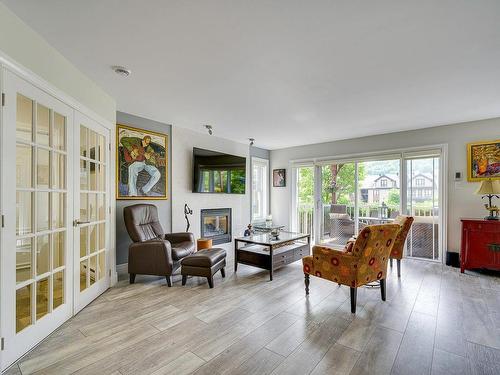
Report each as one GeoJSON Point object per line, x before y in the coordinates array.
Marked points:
{"type": "Point", "coordinates": [141, 164]}
{"type": "Point", "coordinates": [279, 177]}
{"type": "Point", "coordinates": [483, 160]}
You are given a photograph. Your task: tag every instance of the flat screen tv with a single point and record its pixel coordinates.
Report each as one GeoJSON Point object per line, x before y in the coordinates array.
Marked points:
{"type": "Point", "coordinates": [215, 172]}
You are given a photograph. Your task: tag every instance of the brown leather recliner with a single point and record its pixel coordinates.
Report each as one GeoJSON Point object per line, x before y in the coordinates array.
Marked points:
{"type": "Point", "coordinates": [153, 252]}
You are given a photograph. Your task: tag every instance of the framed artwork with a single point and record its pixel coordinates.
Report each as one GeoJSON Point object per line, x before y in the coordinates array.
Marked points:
{"type": "Point", "coordinates": [279, 177]}
{"type": "Point", "coordinates": [141, 163]}
{"type": "Point", "coordinates": [483, 160]}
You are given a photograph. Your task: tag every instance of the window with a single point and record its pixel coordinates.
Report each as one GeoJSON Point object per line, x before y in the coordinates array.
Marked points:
{"type": "Point", "coordinates": [260, 188]}
{"type": "Point", "coordinates": [383, 183]}
{"type": "Point", "coordinates": [419, 182]}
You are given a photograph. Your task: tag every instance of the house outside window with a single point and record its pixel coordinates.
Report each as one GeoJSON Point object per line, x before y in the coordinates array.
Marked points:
{"type": "Point", "coordinates": [383, 183]}
{"type": "Point", "coordinates": [419, 181]}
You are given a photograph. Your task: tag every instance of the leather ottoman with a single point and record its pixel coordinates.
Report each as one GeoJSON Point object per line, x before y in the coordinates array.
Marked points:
{"type": "Point", "coordinates": [204, 263]}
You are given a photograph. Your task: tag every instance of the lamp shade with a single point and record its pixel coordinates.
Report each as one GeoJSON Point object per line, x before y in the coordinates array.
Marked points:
{"type": "Point", "coordinates": [489, 187]}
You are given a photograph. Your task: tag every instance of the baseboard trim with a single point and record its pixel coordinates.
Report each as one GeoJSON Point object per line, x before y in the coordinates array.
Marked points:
{"type": "Point", "coordinates": [122, 269]}
{"type": "Point", "coordinates": [452, 259]}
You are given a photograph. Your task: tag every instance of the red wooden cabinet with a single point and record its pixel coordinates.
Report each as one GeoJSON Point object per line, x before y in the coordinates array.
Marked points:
{"type": "Point", "coordinates": [480, 244]}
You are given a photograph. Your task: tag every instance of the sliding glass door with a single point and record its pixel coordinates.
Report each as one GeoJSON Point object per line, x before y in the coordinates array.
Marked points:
{"type": "Point", "coordinates": [303, 205]}
{"type": "Point", "coordinates": [338, 201]}
{"type": "Point", "coordinates": [335, 200]}
{"type": "Point", "coordinates": [378, 191]}
{"type": "Point", "coordinates": [423, 203]}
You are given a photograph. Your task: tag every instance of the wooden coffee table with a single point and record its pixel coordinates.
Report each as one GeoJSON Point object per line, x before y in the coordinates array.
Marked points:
{"type": "Point", "coordinates": [264, 251]}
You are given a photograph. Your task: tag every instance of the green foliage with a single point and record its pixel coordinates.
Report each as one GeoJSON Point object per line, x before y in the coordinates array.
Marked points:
{"type": "Point", "coordinates": [306, 186]}
{"type": "Point", "coordinates": [238, 181]}
{"type": "Point", "coordinates": [393, 199]}
{"type": "Point", "coordinates": [344, 187]}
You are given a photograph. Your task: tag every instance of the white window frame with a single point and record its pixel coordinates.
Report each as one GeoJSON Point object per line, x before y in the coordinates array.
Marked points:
{"type": "Point", "coordinates": [264, 207]}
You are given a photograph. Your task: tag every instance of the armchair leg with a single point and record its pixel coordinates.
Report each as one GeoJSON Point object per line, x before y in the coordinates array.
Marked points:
{"type": "Point", "coordinates": [390, 262]}
{"type": "Point", "coordinates": [184, 279]}
{"type": "Point", "coordinates": [382, 289]}
{"type": "Point", "coordinates": [354, 292]}
{"type": "Point", "coordinates": [306, 281]}
{"type": "Point", "coordinates": [169, 281]}
{"type": "Point", "coordinates": [399, 267]}
{"type": "Point", "coordinates": [132, 278]}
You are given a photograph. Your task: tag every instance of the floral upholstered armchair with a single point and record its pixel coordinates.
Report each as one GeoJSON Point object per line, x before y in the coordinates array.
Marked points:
{"type": "Point", "coordinates": [398, 249]}
{"type": "Point", "coordinates": [367, 262]}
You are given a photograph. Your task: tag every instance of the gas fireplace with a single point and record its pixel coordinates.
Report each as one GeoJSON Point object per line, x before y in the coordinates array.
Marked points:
{"type": "Point", "coordinates": [216, 224]}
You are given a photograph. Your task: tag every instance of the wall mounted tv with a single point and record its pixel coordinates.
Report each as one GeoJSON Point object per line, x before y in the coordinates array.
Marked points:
{"type": "Point", "coordinates": [215, 172]}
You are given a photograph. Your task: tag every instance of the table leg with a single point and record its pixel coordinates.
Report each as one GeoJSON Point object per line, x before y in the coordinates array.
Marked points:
{"type": "Point", "coordinates": [235, 255]}
{"type": "Point", "coordinates": [271, 266]}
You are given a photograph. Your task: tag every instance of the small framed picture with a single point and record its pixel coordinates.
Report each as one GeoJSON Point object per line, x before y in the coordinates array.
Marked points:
{"type": "Point", "coordinates": [279, 177]}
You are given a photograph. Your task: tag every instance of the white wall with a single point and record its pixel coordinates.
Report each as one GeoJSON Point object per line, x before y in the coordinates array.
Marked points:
{"type": "Point", "coordinates": [21, 44]}
{"type": "Point", "coordinates": [183, 141]}
{"type": "Point", "coordinates": [462, 202]}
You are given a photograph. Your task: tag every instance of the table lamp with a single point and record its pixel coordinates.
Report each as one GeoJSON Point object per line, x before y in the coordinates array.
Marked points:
{"type": "Point", "coordinates": [490, 189]}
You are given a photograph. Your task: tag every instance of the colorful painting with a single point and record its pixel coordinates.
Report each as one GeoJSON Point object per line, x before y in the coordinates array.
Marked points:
{"type": "Point", "coordinates": [483, 160]}
{"type": "Point", "coordinates": [279, 177]}
{"type": "Point", "coordinates": [141, 157]}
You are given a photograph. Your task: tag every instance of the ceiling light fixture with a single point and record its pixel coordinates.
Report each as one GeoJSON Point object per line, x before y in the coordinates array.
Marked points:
{"type": "Point", "coordinates": [121, 70]}
{"type": "Point", "coordinates": [252, 140]}
{"type": "Point", "coordinates": [210, 129]}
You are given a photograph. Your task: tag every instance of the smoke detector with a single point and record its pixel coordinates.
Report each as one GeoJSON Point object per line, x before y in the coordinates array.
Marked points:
{"type": "Point", "coordinates": [121, 70]}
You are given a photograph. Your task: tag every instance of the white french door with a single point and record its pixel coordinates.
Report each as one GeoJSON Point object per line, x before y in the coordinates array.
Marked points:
{"type": "Point", "coordinates": [55, 182]}
{"type": "Point", "coordinates": [91, 223]}
{"type": "Point", "coordinates": [36, 268]}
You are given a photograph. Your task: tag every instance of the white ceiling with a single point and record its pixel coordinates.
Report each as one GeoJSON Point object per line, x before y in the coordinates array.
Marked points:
{"type": "Point", "coordinates": [286, 72]}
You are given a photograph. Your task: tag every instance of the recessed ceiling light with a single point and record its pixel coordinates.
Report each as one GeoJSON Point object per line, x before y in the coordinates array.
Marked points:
{"type": "Point", "coordinates": [121, 70]}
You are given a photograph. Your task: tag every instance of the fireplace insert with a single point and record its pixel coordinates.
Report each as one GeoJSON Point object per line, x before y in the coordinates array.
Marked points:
{"type": "Point", "coordinates": [216, 225]}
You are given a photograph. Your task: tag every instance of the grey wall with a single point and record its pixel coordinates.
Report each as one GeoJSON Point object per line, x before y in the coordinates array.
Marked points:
{"type": "Point", "coordinates": [462, 202]}
{"type": "Point", "coordinates": [263, 154]}
{"type": "Point", "coordinates": [164, 206]}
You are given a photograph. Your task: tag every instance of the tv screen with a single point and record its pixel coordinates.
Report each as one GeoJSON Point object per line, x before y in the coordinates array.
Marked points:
{"type": "Point", "coordinates": [215, 172]}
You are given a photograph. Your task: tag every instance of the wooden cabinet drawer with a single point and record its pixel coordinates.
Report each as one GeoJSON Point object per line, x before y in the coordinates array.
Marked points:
{"type": "Point", "coordinates": [282, 259]}
{"type": "Point", "coordinates": [301, 252]}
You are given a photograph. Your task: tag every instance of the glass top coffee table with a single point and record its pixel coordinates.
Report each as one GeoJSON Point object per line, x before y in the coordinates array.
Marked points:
{"type": "Point", "coordinates": [267, 252]}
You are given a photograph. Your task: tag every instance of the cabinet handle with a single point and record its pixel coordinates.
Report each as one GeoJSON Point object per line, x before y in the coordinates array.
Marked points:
{"type": "Point", "coordinates": [494, 247]}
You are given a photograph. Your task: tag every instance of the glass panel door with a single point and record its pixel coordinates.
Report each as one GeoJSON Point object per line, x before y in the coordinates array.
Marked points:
{"type": "Point", "coordinates": [423, 203]}
{"type": "Point", "coordinates": [91, 202]}
{"type": "Point", "coordinates": [36, 296]}
{"type": "Point", "coordinates": [379, 196]}
{"type": "Point", "coordinates": [304, 200]}
{"type": "Point", "coordinates": [338, 190]}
